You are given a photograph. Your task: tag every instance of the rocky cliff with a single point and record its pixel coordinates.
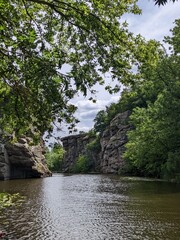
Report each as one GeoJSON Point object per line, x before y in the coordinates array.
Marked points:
{"type": "Point", "coordinates": [112, 142]}
{"type": "Point", "coordinates": [21, 160]}
{"type": "Point", "coordinates": [74, 146]}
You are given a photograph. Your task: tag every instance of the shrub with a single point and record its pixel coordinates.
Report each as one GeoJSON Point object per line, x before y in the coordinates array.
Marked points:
{"type": "Point", "coordinates": [81, 165]}
{"type": "Point", "coordinates": [54, 158]}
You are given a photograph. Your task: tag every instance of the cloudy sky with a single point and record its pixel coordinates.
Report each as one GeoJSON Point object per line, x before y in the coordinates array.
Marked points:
{"type": "Point", "coordinates": [154, 23]}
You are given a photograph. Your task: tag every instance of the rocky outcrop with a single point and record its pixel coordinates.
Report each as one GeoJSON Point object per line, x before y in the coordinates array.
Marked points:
{"type": "Point", "coordinates": [74, 146]}
{"type": "Point", "coordinates": [4, 163]}
{"type": "Point", "coordinates": [21, 160]}
{"type": "Point", "coordinates": [113, 142]}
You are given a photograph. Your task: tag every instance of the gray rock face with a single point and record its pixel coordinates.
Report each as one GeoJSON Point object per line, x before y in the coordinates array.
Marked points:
{"type": "Point", "coordinates": [4, 163]}
{"type": "Point", "coordinates": [74, 146]}
{"type": "Point", "coordinates": [112, 143]}
{"type": "Point", "coordinates": [21, 160]}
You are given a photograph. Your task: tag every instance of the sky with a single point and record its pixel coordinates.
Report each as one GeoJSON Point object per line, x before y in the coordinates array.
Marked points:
{"type": "Point", "coordinates": [154, 23]}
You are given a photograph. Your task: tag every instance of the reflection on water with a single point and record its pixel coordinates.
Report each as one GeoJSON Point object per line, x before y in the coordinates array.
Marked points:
{"type": "Point", "coordinates": [92, 207]}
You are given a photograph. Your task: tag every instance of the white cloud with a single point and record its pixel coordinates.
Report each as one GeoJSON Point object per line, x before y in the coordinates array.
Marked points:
{"type": "Point", "coordinates": [89, 105]}
{"type": "Point", "coordinates": [99, 104]}
{"type": "Point", "coordinates": [88, 109]}
{"type": "Point", "coordinates": [88, 115]}
{"type": "Point", "coordinates": [154, 22]}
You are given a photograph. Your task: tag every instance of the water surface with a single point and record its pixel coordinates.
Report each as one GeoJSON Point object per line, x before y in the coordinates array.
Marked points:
{"type": "Point", "coordinates": [92, 207]}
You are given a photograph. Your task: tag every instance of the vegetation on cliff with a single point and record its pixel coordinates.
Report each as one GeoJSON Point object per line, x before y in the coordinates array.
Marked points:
{"type": "Point", "coordinates": [87, 162]}
{"type": "Point", "coordinates": [81, 165]}
{"type": "Point", "coordinates": [81, 153]}
{"type": "Point", "coordinates": [54, 158]}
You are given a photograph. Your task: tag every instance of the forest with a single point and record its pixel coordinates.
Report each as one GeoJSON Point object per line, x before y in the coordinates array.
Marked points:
{"type": "Point", "coordinates": [39, 38]}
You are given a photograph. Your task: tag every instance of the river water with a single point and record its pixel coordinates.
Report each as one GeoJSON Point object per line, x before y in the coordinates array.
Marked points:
{"type": "Point", "coordinates": [92, 207]}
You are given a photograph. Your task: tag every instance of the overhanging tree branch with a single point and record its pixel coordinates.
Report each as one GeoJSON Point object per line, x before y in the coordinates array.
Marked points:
{"type": "Point", "coordinates": [162, 2]}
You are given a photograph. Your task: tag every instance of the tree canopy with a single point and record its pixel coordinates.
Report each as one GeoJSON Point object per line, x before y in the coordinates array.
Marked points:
{"type": "Point", "coordinates": [153, 148]}
{"type": "Point", "coordinates": [40, 38]}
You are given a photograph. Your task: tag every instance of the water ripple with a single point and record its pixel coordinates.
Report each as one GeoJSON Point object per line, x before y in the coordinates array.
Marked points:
{"type": "Point", "coordinates": [92, 207]}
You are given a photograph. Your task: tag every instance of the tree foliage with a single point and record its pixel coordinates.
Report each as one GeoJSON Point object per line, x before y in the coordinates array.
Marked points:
{"type": "Point", "coordinates": [162, 2]}
{"type": "Point", "coordinates": [39, 38]}
{"type": "Point", "coordinates": [54, 158]}
{"type": "Point", "coordinates": [81, 165]}
{"type": "Point", "coordinates": [153, 148]}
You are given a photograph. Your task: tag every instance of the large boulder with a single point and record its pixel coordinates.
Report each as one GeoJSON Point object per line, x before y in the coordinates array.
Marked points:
{"type": "Point", "coordinates": [22, 160]}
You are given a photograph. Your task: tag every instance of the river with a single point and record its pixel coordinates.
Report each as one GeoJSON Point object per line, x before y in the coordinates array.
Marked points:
{"type": "Point", "coordinates": [92, 207]}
